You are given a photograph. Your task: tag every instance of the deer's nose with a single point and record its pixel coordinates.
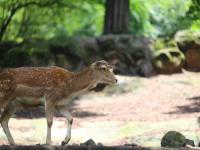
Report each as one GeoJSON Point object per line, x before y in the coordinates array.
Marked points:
{"type": "Point", "coordinates": [116, 80]}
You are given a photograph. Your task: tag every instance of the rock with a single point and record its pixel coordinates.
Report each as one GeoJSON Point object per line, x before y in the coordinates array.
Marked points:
{"type": "Point", "coordinates": [86, 48]}
{"type": "Point", "coordinates": [129, 54]}
{"type": "Point", "coordinates": [173, 139]}
{"type": "Point", "coordinates": [131, 145]}
{"type": "Point", "coordinates": [192, 59]}
{"type": "Point", "coordinates": [187, 40]}
{"type": "Point", "coordinates": [189, 142]}
{"type": "Point", "coordinates": [168, 61]}
{"type": "Point", "coordinates": [99, 144]}
{"type": "Point", "coordinates": [146, 68]}
{"type": "Point", "coordinates": [62, 61]}
{"type": "Point", "coordinates": [189, 43]}
{"type": "Point", "coordinates": [89, 142]}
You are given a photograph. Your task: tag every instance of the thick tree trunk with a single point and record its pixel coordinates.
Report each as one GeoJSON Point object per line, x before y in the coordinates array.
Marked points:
{"type": "Point", "coordinates": [116, 16]}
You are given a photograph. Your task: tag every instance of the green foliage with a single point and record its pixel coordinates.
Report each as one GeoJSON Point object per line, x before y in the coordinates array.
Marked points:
{"type": "Point", "coordinates": [194, 14]}
{"type": "Point", "coordinates": [61, 18]}
{"type": "Point", "coordinates": [140, 17]}
{"type": "Point", "coordinates": [159, 18]}
{"type": "Point", "coordinates": [162, 43]}
{"type": "Point", "coordinates": [194, 9]}
{"type": "Point", "coordinates": [45, 19]}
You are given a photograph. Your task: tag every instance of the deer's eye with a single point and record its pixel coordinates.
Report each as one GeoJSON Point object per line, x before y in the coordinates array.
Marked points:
{"type": "Point", "coordinates": [104, 69]}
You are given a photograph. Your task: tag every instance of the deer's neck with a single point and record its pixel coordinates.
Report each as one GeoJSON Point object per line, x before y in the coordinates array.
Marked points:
{"type": "Point", "coordinates": [82, 81]}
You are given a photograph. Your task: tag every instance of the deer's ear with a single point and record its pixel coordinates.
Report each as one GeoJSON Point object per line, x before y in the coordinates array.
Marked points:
{"type": "Point", "coordinates": [93, 65]}
{"type": "Point", "coordinates": [99, 64]}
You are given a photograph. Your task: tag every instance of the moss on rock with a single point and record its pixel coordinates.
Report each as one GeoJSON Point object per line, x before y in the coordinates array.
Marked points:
{"type": "Point", "coordinates": [168, 61]}
{"type": "Point", "coordinates": [173, 139]}
{"type": "Point", "coordinates": [189, 43]}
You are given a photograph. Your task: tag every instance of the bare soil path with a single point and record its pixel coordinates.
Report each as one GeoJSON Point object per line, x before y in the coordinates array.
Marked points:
{"type": "Point", "coordinates": [136, 110]}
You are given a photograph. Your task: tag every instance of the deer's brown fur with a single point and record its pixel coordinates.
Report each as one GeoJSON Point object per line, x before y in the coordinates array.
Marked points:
{"type": "Point", "coordinates": [48, 86]}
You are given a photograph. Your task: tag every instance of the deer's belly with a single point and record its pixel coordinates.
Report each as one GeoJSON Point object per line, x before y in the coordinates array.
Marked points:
{"type": "Point", "coordinates": [31, 96]}
{"type": "Point", "coordinates": [30, 101]}
{"type": "Point", "coordinates": [28, 91]}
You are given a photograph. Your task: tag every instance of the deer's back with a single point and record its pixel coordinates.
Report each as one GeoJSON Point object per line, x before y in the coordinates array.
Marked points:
{"type": "Point", "coordinates": [33, 79]}
{"type": "Point", "coordinates": [6, 83]}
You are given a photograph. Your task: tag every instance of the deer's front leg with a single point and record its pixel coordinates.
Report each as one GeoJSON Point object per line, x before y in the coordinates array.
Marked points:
{"type": "Point", "coordinates": [68, 116]}
{"type": "Point", "coordinates": [5, 116]}
{"type": "Point", "coordinates": [49, 110]}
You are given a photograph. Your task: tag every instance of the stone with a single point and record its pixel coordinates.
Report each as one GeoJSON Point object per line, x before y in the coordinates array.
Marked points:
{"type": "Point", "coordinates": [168, 61]}
{"type": "Point", "coordinates": [131, 145]}
{"type": "Point", "coordinates": [99, 144]}
{"type": "Point", "coordinates": [190, 142]}
{"type": "Point", "coordinates": [193, 59]}
{"type": "Point", "coordinates": [127, 53]}
{"type": "Point", "coordinates": [89, 142]}
{"type": "Point", "coordinates": [173, 139]}
{"type": "Point", "coordinates": [187, 39]}
{"type": "Point", "coordinates": [189, 43]}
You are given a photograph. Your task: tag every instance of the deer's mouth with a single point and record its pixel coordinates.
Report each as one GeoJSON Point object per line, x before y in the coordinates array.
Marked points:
{"type": "Point", "coordinates": [110, 82]}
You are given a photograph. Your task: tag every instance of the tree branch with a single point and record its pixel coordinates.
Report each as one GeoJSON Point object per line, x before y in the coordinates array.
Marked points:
{"type": "Point", "coordinates": [17, 6]}
{"type": "Point", "coordinates": [24, 23]}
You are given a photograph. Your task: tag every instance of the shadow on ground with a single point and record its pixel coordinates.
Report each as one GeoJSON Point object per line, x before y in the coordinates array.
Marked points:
{"type": "Point", "coordinates": [192, 108]}
{"type": "Point", "coordinates": [34, 147]}
{"type": "Point", "coordinates": [38, 112]}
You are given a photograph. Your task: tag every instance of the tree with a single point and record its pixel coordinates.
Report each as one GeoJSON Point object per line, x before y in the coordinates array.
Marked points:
{"type": "Point", "coordinates": [10, 8]}
{"type": "Point", "coordinates": [27, 19]}
{"type": "Point", "coordinates": [193, 12]}
{"type": "Point", "coordinates": [116, 16]}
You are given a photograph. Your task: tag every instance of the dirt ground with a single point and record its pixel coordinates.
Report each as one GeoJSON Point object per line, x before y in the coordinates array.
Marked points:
{"type": "Point", "coordinates": [136, 110]}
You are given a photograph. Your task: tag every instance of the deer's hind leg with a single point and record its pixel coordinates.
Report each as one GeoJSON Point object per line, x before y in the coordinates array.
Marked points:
{"type": "Point", "coordinates": [7, 88]}
{"type": "Point", "coordinates": [5, 116]}
{"type": "Point", "coordinates": [49, 110]}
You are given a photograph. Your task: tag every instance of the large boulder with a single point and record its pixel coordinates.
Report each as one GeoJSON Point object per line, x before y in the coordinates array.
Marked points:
{"type": "Point", "coordinates": [189, 43]}
{"type": "Point", "coordinates": [32, 52]}
{"type": "Point", "coordinates": [129, 54]}
{"type": "Point", "coordinates": [168, 61]}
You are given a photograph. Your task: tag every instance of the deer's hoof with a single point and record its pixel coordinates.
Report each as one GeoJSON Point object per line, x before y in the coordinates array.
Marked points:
{"type": "Point", "coordinates": [63, 143]}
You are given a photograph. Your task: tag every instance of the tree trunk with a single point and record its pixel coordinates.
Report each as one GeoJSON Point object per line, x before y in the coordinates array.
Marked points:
{"type": "Point", "coordinates": [116, 16]}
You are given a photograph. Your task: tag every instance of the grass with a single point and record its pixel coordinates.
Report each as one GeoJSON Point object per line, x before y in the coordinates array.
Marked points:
{"type": "Point", "coordinates": [151, 133]}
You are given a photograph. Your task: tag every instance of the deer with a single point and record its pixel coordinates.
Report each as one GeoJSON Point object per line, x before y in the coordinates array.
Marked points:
{"type": "Point", "coordinates": [50, 87]}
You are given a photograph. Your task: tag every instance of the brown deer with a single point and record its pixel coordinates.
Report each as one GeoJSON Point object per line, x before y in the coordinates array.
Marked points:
{"type": "Point", "coordinates": [48, 86]}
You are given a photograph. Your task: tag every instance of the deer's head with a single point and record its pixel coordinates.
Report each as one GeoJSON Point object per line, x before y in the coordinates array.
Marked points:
{"type": "Point", "coordinates": [103, 72]}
